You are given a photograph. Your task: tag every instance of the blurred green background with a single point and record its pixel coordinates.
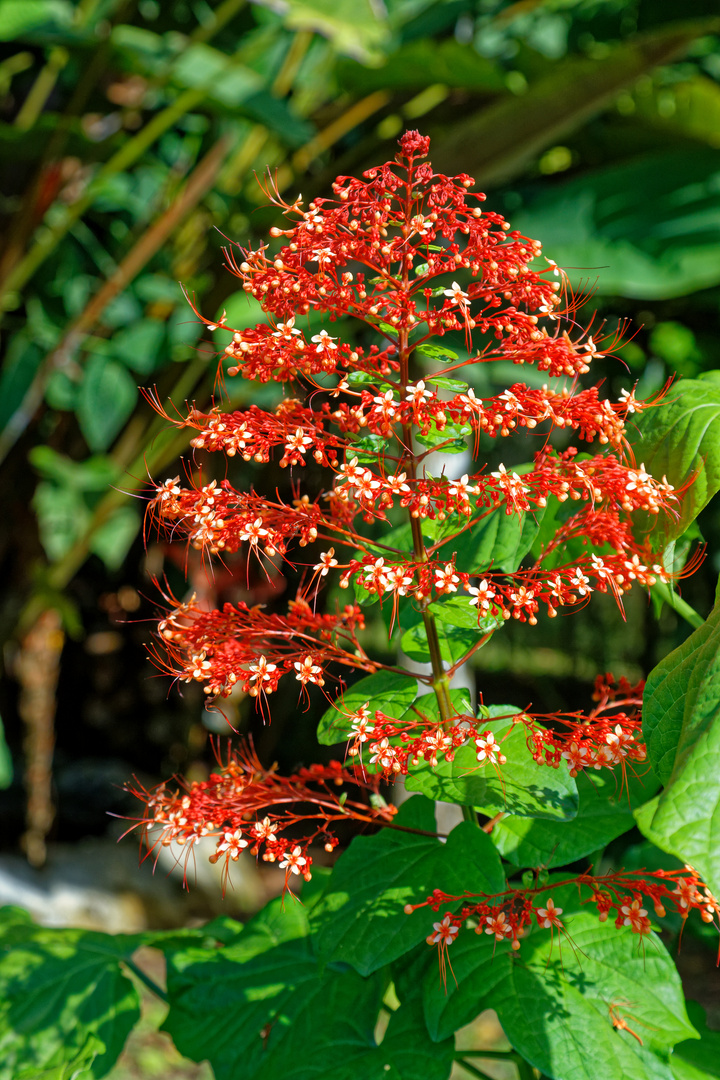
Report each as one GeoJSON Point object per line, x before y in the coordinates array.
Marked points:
{"type": "Point", "coordinates": [130, 135]}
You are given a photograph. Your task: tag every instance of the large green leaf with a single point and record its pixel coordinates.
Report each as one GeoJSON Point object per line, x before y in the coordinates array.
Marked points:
{"type": "Point", "coordinates": [455, 641]}
{"type": "Point", "coordinates": [520, 787]}
{"type": "Point", "coordinates": [499, 540]}
{"type": "Point", "coordinates": [693, 1060]}
{"type": "Point", "coordinates": [681, 440]}
{"type": "Point", "coordinates": [605, 812]}
{"type": "Point", "coordinates": [391, 693]}
{"type": "Point", "coordinates": [681, 721]}
{"type": "Point", "coordinates": [254, 1010]}
{"type": "Point", "coordinates": [690, 107]}
{"type": "Point", "coordinates": [355, 27]}
{"type": "Point", "coordinates": [652, 225]}
{"type": "Point", "coordinates": [360, 918]}
{"type": "Point", "coordinates": [553, 998]}
{"type": "Point", "coordinates": [498, 142]}
{"type": "Point", "coordinates": [64, 1000]}
{"type": "Point", "coordinates": [106, 398]}
{"type": "Point", "coordinates": [33, 16]}
{"type": "Point", "coordinates": [427, 62]}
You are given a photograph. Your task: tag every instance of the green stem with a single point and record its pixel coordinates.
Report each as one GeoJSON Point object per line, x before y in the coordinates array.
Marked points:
{"type": "Point", "coordinates": [500, 1055]}
{"type": "Point", "coordinates": [469, 813]}
{"type": "Point", "coordinates": [525, 1069]}
{"type": "Point", "coordinates": [671, 598]}
{"type": "Point", "coordinates": [42, 88]}
{"type": "Point", "coordinates": [472, 1069]}
{"type": "Point", "coordinates": [150, 983]}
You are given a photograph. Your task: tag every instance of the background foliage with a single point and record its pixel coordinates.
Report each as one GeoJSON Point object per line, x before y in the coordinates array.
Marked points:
{"type": "Point", "coordinates": [130, 135]}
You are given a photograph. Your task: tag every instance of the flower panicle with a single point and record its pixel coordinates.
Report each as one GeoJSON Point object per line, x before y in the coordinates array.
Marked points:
{"type": "Point", "coordinates": [252, 649]}
{"type": "Point", "coordinates": [510, 915]}
{"type": "Point", "coordinates": [606, 737]}
{"type": "Point", "coordinates": [245, 806]}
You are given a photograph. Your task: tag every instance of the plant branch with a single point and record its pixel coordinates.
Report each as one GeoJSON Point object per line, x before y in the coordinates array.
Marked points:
{"type": "Point", "coordinates": [146, 980]}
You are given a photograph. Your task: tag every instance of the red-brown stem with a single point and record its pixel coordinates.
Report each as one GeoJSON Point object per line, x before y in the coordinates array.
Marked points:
{"type": "Point", "coordinates": [440, 680]}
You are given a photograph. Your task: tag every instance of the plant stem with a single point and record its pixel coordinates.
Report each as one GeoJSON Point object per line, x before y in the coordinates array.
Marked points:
{"type": "Point", "coordinates": [150, 983]}
{"type": "Point", "coordinates": [671, 598]}
{"type": "Point", "coordinates": [441, 682]}
{"type": "Point", "coordinates": [472, 1069]}
{"type": "Point", "coordinates": [525, 1069]}
{"type": "Point", "coordinates": [500, 1055]}
{"type": "Point", "coordinates": [42, 88]}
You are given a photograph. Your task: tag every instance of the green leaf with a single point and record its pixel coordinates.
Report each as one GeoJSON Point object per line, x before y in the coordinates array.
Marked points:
{"type": "Point", "coordinates": [680, 439]}
{"type": "Point", "coordinates": [386, 691]}
{"type": "Point", "coordinates": [454, 641]}
{"type": "Point", "coordinates": [691, 107]}
{"type": "Point", "coordinates": [138, 346]}
{"type": "Point", "coordinates": [33, 16]}
{"type": "Point", "coordinates": [553, 998]}
{"type": "Point", "coordinates": [112, 541]}
{"type": "Point", "coordinates": [95, 474]}
{"type": "Point", "coordinates": [63, 998]}
{"type": "Point", "coordinates": [437, 352]}
{"type": "Point", "coordinates": [20, 366]}
{"type": "Point", "coordinates": [497, 143]}
{"type": "Point", "coordinates": [62, 516]}
{"type": "Point", "coordinates": [681, 721]}
{"type": "Point", "coordinates": [447, 384]}
{"type": "Point", "coordinates": [451, 437]}
{"type": "Point", "coordinates": [354, 27]}
{"type": "Point", "coordinates": [605, 812]}
{"type": "Point", "coordinates": [407, 1045]}
{"type": "Point", "coordinates": [499, 540]}
{"type": "Point", "coordinates": [520, 787]}
{"type": "Point", "coordinates": [458, 611]}
{"type": "Point", "coordinates": [106, 398]}
{"type": "Point", "coordinates": [693, 1060]}
{"type": "Point", "coordinates": [652, 224]}
{"type": "Point", "coordinates": [6, 765]}
{"type": "Point", "coordinates": [258, 1004]}
{"type": "Point", "coordinates": [242, 312]}
{"type": "Point", "coordinates": [418, 64]}
{"type": "Point", "coordinates": [360, 918]}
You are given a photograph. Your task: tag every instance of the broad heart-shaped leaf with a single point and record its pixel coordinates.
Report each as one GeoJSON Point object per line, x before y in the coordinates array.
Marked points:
{"type": "Point", "coordinates": [680, 439]}
{"type": "Point", "coordinates": [671, 689]}
{"type": "Point", "coordinates": [520, 787]}
{"type": "Point", "coordinates": [553, 998]}
{"type": "Point", "coordinates": [685, 819]}
{"type": "Point", "coordinates": [106, 398]}
{"type": "Point", "coordinates": [261, 1008]}
{"type": "Point", "coordinates": [497, 142]}
{"type": "Point", "coordinates": [64, 1000]}
{"type": "Point", "coordinates": [360, 918]}
{"type": "Point", "coordinates": [498, 539]}
{"type": "Point", "coordinates": [386, 691]}
{"type": "Point", "coordinates": [605, 812]}
{"type": "Point", "coordinates": [693, 1060]}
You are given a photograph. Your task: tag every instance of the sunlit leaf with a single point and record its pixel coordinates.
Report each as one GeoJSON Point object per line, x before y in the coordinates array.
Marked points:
{"type": "Point", "coordinates": [360, 918]}
{"type": "Point", "coordinates": [681, 721]}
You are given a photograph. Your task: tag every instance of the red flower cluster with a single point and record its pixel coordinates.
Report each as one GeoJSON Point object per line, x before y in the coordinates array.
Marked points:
{"type": "Point", "coordinates": [508, 916]}
{"type": "Point", "coordinates": [244, 805]}
{"type": "Point", "coordinates": [411, 256]}
{"type": "Point", "coordinates": [223, 648]}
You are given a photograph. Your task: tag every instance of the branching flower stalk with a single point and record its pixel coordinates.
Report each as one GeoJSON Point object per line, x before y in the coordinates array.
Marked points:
{"type": "Point", "coordinates": [409, 256]}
